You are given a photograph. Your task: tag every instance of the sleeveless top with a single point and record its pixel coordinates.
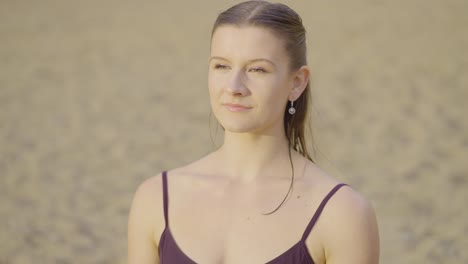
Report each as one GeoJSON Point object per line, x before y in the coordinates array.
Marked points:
{"type": "Point", "coordinates": [170, 253]}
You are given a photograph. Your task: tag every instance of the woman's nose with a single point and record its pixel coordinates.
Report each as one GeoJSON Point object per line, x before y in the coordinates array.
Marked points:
{"type": "Point", "coordinates": [236, 84]}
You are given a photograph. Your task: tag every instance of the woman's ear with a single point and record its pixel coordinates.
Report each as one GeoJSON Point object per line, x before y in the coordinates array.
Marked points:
{"type": "Point", "coordinates": [300, 81]}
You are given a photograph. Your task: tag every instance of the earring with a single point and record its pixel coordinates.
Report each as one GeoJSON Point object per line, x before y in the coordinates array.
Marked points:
{"type": "Point", "coordinates": [291, 109]}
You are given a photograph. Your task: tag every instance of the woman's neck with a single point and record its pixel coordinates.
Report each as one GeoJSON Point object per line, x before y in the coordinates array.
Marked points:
{"type": "Point", "coordinates": [248, 157]}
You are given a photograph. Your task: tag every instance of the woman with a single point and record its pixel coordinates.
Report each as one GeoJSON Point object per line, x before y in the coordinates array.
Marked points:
{"type": "Point", "coordinates": [259, 198]}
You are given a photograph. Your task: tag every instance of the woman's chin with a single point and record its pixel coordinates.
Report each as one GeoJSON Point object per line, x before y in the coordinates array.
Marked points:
{"type": "Point", "coordinates": [239, 127]}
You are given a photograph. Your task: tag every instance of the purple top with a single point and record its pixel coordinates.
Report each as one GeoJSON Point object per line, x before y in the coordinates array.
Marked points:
{"type": "Point", "coordinates": [170, 253]}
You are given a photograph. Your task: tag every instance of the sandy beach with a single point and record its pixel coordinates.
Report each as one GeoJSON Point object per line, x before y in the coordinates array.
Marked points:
{"type": "Point", "coordinates": [97, 96]}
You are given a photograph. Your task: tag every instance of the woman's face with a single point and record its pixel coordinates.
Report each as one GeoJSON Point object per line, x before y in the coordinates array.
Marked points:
{"type": "Point", "coordinates": [249, 79]}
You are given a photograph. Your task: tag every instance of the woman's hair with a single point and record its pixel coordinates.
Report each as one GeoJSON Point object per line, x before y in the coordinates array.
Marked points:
{"type": "Point", "coordinates": [286, 24]}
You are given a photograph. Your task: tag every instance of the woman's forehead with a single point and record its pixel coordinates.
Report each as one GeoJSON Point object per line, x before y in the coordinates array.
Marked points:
{"type": "Point", "coordinates": [247, 42]}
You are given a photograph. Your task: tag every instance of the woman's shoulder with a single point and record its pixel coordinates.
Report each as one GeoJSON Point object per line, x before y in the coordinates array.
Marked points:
{"type": "Point", "coordinates": [349, 209]}
{"type": "Point", "coordinates": [146, 218]}
{"type": "Point", "coordinates": [346, 201]}
{"type": "Point", "coordinates": [201, 166]}
{"type": "Point", "coordinates": [349, 216]}
{"type": "Point", "coordinates": [148, 197]}
{"type": "Point", "coordinates": [149, 188]}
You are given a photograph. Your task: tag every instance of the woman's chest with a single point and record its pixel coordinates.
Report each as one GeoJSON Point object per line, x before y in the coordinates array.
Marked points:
{"type": "Point", "coordinates": [224, 231]}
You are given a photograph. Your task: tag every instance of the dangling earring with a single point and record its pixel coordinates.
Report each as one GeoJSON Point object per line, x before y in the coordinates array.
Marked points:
{"type": "Point", "coordinates": [292, 110]}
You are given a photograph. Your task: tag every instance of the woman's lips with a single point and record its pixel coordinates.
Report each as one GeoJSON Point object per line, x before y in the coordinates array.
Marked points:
{"type": "Point", "coordinates": [237, 107]}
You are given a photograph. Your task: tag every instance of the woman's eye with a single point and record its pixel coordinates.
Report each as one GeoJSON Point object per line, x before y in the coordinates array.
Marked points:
{"type": "Point", "coordinates": [221, 67]}
{"type": "Point", "coordinates": [257, 69]}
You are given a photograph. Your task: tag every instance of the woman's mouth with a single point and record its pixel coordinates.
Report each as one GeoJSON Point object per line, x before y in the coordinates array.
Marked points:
{"type": "Point", "coordinates": [237, 107]}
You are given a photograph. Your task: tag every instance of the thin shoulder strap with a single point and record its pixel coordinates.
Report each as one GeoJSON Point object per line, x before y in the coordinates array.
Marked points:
{"type": "Point", "coordinates": [165, 198]}
{"type": "Point", "coordinates": [319, 210]}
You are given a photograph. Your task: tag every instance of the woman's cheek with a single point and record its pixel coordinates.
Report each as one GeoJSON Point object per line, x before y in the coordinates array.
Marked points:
{"type": "Point", "coordinates": [216, 82]}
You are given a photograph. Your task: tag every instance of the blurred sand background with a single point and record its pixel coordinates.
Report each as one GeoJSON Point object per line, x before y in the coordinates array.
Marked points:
{"type": "Point", "coordinates": [96, 96]}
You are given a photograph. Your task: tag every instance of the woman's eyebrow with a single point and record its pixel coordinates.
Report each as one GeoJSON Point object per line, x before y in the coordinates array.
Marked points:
{"type": "Point", "coordinates": [249, 61]}
{"type": "Point", "coordinates": [217, 58]}
{"type": "Point", "coordinates": [262, 60]}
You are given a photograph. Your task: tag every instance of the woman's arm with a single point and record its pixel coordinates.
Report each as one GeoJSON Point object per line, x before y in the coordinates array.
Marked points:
{"type": "Point", "coordinates": [142, 220]}
{"type": "Point", "coordinates": [352, 235]}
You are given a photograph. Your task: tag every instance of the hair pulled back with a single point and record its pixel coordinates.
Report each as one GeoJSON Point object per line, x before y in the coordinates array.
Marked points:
{"type": "Point", "coordinates": [286, 24]}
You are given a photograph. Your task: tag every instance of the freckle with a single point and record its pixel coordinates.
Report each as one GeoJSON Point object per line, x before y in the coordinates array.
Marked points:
{"type": "Point", "coordinates": [298, 197]}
